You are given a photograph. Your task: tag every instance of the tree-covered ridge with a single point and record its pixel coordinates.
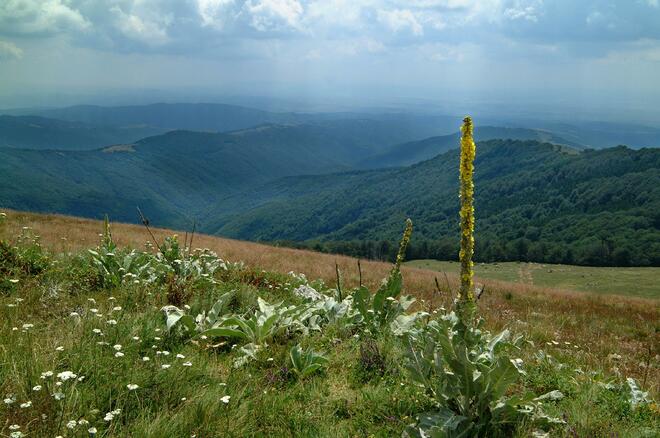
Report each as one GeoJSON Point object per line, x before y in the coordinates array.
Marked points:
{"type": "Point", "coordinates": [534, 201]}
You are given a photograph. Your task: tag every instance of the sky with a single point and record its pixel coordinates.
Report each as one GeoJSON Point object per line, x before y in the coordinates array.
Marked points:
{"type": "Point", "coordinates": [601, 56]}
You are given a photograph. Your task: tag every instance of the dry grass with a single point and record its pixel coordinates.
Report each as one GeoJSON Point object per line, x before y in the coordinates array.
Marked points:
{"type": "Point", "coordinates": [598, 324]}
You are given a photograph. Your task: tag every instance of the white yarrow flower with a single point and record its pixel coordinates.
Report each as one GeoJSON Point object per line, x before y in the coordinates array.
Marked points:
{"type": "Point", "coordinates": [66, 375]}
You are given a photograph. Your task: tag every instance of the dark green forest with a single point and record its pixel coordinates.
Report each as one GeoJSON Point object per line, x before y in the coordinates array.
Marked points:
{"type": "Point", "coordinates": [535, 202]}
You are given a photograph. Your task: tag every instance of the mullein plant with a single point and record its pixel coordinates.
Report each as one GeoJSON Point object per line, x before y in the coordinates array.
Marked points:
{"type": "Point", "coordinates": [465, 371]}
{"type": "Point", "coordinates": [465, 305]}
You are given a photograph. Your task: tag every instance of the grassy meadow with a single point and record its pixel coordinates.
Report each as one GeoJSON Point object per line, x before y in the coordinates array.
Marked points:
{"type": "Point", "coordinates": [636, 282]}
{"type": "Point", "coordinates": [87, 352]}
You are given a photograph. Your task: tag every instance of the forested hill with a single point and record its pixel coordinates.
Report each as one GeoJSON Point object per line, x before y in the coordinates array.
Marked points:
{"type": "Point", "coordinates": [413, 152]}
{"type": "Point", "coordinates": [535, 201]}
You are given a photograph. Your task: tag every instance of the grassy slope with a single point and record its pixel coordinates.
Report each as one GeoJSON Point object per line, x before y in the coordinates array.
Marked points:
{"type": "Point", "coordinates": [182, 400]}
{"type": "Point", "coordinates": [639, 282]}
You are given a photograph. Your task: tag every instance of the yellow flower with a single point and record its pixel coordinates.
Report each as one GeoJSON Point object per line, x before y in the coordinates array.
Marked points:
{"type": "Point", "coordinates": [403, 244]}
{"type": "Point", "coordinates": [468, 152]}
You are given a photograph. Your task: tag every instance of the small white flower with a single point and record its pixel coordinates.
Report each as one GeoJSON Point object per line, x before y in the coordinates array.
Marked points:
{"type": "Point", "coordinates": [58, 396]}
{"type": "Point", "coordinates": [27, 404]}
{"type": "Point", "coordinates": [94, 310]}
{"type": "Point", "coordinates": [117, 347]}
{"type": "Point", "coordinates": [165, 366]}
{"type": "Point", "coordinates": [83, 422]}
{"type": "Point", "coordinates": [46, 374]}
{"type": "Point", "coordinates": [14, 427]}
{"type": "Point", "coordinates": [27, 326]}
{"type": "Point", "coordinates": [72, 424]}
{"type": "Point", "coordinates": [13, 280]}
{"type": "Point", "coordinates": [10, 399]}
{"type": "Point", "coordinates": [17, 434]}
{"type": "Point", "coordinates": [74, 315]}
{"type": "Point", "coordinates": [132, 386]}
{"type": "Point", "coordinates": [180, 356]}
{"type": "Point", "coordinates": [58, 383]}
{"type": "Point", "coordinates": [225, 399]}
{"type": "Point", "coordinates": [111, 298]}
{"type": "Point", "coordinates": [97, 331]}
{"type": "Point", "coordinates": [136, 338]}
{"type": "Point", "coordinates": [111, 322]}
{"type": "Point", "coordinates": [119, 354]}
{"type": "Point", "coordinates": [36, 388]}
{"type": "Point", "coordinates": [116, 308]}
{"type": "Point", "coordinates": [60, 348]}
{"type": "Point", "coordinates": [91, 300]}
{"type": "Point", "coordinates": [92, 431]}
{"type": "Point", "coordinates": [187, 364]}
{"type": "Point", "coordinates": [66, 375]}
{"type": "Point", "coordinates": [156, 338]}
{"type": "Point", "coordinates": [145, 359]}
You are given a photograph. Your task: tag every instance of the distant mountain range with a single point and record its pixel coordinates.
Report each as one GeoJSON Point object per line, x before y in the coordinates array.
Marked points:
{"type": "Point", "coordinates": [336, 177]}
{"type": "Point", "coordinates": [35, 132]}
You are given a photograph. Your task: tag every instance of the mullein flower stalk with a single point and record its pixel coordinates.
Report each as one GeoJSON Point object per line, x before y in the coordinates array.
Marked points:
{"type": "Point", "coordinates": [465, 302]}
{"type": "Point", "coordinates": [401, 255]}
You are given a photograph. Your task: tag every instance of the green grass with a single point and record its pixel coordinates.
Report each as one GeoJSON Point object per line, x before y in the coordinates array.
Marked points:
{"type": "Point", "coordinates": [56, 317]}
{"type": "Point", "coordinates": [638, 282]}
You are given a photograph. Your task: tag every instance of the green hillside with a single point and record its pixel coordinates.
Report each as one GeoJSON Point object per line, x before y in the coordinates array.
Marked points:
{"type": "Point", "coordinates": [32, 132]}
{"type": "Point", "coordinates": [172, 175]}
{"type": "Point", "coordinates": [415, 151]}
{"type": "Point", "coordinates": [535, 201]}
{"type": "Point", "coordinates": [181, 173]}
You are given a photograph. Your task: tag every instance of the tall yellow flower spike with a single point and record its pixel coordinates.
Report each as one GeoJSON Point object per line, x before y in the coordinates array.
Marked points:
{"type": "Point", "coordinates": [465, 303]}
{"type": "Point", "coordinates": [403, 244]}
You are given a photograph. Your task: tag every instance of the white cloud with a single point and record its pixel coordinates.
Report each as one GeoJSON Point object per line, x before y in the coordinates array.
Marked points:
{"type": "Point", "coordinates": [653, 3]}
{"type": "Point", "coordinates": [528, 13]}
{"type": "Point", "coordinates": [135, 27]}
{"type": "Point", "coordinates": [400, 19]}
{"type": "Point", "coordinates": [9, 50]}
{"type": "Point", "coordinates": [212, 12]}
{"type": "Point", "coordinates": [268, 15]}
{"type": "Point", "coordinates": [40, 17]}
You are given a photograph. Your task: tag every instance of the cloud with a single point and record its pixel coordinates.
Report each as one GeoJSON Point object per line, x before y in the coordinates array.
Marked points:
{"type": "Point", "coordinates": [213, 12]}
{"type": "Point", "coordinates": [143, 29]}
{"type": "Point", "coordinates": [9, 50]}
{"type": "Point", "coordinates": [218, 27]}
{"type": "Point", "coordinates": [400, 19]}
{"type": "Point", "coordinates": [46, 17]}
{"type": "Point", "coordinates": [269, 15]}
